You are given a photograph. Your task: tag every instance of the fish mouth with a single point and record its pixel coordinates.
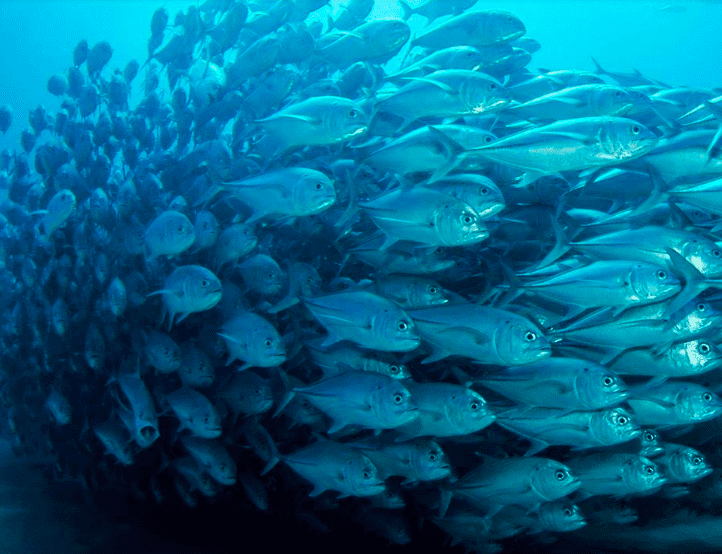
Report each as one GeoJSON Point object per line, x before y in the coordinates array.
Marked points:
{"type": "Point", "coordinates": [513, 36]}
{"type": "Point", "coordinates": [703, 473]}
{"type": "Point", "coordinates": [624, 108]}
{"type": "Point", "coordinates": [490, 106]}
{"type": "Point", "coordinates": [652, 451]}
{"type": "Point", "coordinates": [355, 133]}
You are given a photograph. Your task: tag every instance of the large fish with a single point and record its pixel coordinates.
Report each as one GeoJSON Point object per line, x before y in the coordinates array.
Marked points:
{"type": "Point", "coordinates": [368, 320]}
{"type": "Point", "coordinates": [486, 335]}
{"type": "Point", "coordinates": [361, 398]}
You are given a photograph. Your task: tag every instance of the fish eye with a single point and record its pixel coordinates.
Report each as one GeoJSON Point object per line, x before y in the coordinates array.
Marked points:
{"type": "Point", "coordinates": [223, 467]}
{"type": "Point", "coordinates": [402, 326]}
{"type": "Point", "coordinates": [636, 129]}
{"type": "Point", "coordinates": [319, 186]}
{"type": "Point", "coordinates": [432, 456]}
{"type": "Point", "coordinates": [716, 253]}
{"type": "Point", "coordinates": [617, 93]}
{"type": "Point", "coordinates": [622, 420]}
{"type": "Point", "coordinates": [487, 139]}
{"type": "Point", "coordinates": [394, 369]}
{"type": "Point", "coordinates": [352, 113]}
{"type": "Point", "coordinates": [608, 381]}
{"type": "Point", "coordinates": [470, 54]}
{"type": "Point", "coordinates": [649, 470]}
{"type": "Point", "coordinates": [205, 283]}
{"type": "Point", "coordinates": [181, 228]}
{"type": "Point", "coordinates": [468, 219]}
{"type": "Point", "coordinates": [398, 398]}
{"type": "Point", "coordinates": [530, 336]}
{"type": "Point", "coordinates": [432, 289]}
{"type": "Point", "coordinates": [701, 307]}
{"type": "Point", "coordinates": [484, 191]}
{"type": "Point", "coordinates": [268, 343]}
{"type": "Point", "coordinates": [707, 397]}
{"type": "Point", "coordinates": [560, 475]}
{"type": "Point", "coordinates": [206, 419]}
{"type": "Point", "coordinates": [474, 406]}
{"type": "Point", "coordinates": [661, 274]}
{"type": "Point", "coordinates": [367, 474]}
{"type": "Point", "coordinates": [696, 461]}
{"type": "Point", "coordinates": [704, 348]}
{"type": "Point", "coordinates": [568, 512]}
{"type": "Point", "coordinates": [492, 86]}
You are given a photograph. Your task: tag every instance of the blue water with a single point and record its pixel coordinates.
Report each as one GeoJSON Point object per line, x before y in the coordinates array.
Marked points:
{"type": "Point", "coordinates": [680, 49]}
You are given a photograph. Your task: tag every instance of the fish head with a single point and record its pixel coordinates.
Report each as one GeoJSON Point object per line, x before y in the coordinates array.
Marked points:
{"type": "Point", "coordinates": [146, 434]}
{"type": "Point", "coordinates": [430, 461]}
{"type": "Point", "coordinates": [269, 350]}
{"type": "Point", "coordinates": [651, 444]}
{"type": "Point", "coordinates": [600, 388]}
{"type": "Point", "coordinates": [503, 26]}
{"type": "Point", "coordinates": [561, 516]}
{"type": "Point", "coordinates": [551, 479]}
{"type": "Point", "coordinates": [465, 57]}
{"type": "Point", "coordinates": [611, 100]}
{"type": "Point", "coordinates": [458, 224]}
{"type": "Point", "coordinates": [393, 404]}
{"type": "Point", "coordinates": [382, 362]}
{"type": "Point", "coordinates": [627, 139]}
{"type": "Point", "coordinates": [206, 229]}
{"type": "Point", "coordinates": [209, 422]}
{"type": "Point", "coordinates": [392, 34]}
{"type": "Point", "coordinates": [313, 193]}
{"type": "Point", "coordinates": [696, 403]}
{"type": "Point", "coordinates": [483, 94]}
{"type": "Point", "coordinates": [641, 474]}
{"type": "Point", "coordinates": [486, 198]}
{"type": "Point", "coordinates": [651, 282]}
{"type": "Point", "coordinates": [521, 342]}
{"type": "Point", "coordinates": [704, 255]}
{"type": "Point", "coordinates": [343, 119]}
{"type": "Point", "coordinates": [223, 469]}
{"type": "Point", "coordinates": [688, 465]}
{"type": "Point", "coordinates": [393, 327]}
{"type": "Point", "coordinates": [468, 411]}
{"type": "Point", "coordinates": [203, 288]}
{"type": "Point", "coordinates": [362, 476]}
{"type": "Point", "coordinates": [425, 292]}
{"type": "Point", "coordinates": [696, 356]}
{"type": "Point", "coordinates": [614, 426]}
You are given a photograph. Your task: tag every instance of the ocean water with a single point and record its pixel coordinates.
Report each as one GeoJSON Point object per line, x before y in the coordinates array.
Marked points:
{"type": "Point", "coordinates": [676, 43]}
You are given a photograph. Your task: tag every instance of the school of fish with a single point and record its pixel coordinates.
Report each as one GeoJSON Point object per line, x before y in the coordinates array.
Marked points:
{"type": "Point", "coordinates": [377, 269]}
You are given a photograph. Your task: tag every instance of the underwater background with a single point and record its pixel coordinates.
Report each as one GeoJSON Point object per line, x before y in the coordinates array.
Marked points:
{"type": "Point", "coordinates": [675, 43]}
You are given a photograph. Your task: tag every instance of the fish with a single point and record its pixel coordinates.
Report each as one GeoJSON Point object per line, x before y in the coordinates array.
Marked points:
{"type": "Point", "coordinates": [213, 458]}
{"type": "Point", "coordinates": [195, 412]}
{"type": "Point", "coordinates": [564, 383]}
{"type": "Point", "coordinates": [528, 482]}
{"type": "Point", "coordinates": [189, 289]}
{"type": "Point", "coordinates": [364, 318]}
{"type": "Point", "coordinates": [485, 335]}
{"type": "Point", "coordinates": [476, 28]}
{"type": "Point", "coordinates": [330, 465]}
{"type": "Point", "coordinates": [293, 191]}
{"type": "Point", "coordinates": [617, 475]}
{"type": "Point", "coordinates": [543, 427]}
{"type": "Point", "coordinates": [361, 398]}
{"type": "Point", "coordinates": [253, 340]}
{"type": "Point", "coordinates": [447, 410]}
